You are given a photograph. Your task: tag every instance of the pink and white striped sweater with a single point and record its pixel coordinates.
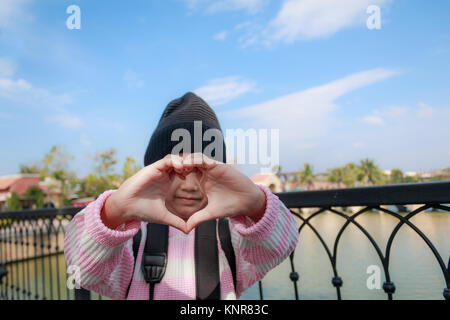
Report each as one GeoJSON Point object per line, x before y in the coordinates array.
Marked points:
{"type": "Point", "coordinates": [105, 261]}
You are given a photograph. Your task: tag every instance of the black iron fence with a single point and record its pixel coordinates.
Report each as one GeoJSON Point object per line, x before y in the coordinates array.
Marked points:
{"type": "Point", "coordinates": [32, 265]}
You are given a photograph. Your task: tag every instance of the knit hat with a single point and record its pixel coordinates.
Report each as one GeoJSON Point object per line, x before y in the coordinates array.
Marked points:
{"type": "Point", "coordinates": [189, 112]}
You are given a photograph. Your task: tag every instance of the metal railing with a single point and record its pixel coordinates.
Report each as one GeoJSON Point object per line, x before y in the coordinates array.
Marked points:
{"type": "Point", "coordinates": [32, 265]}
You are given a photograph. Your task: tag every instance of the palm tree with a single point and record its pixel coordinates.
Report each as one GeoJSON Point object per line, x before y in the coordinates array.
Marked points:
{"type": "Point", "coordinates": [350, 174]}
{"type": "Point", "coordinates": [306, 175]}
{"type": "Point", "coordinates": [369, 173]}
{"type": "Point", "coordinates": [336, 175]}
{"type": "Point", "coordinates": [397, 176]}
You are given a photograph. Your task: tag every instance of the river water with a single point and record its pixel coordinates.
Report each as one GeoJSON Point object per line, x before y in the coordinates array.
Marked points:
{"type": "Point", "coordinates": [413, 267]}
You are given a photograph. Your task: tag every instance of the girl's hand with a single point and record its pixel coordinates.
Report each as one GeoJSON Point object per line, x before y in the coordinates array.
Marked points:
{"type": "Point", "coordinates": [142, 196]}
{"type": "Point", "coordinates": [230, 193]}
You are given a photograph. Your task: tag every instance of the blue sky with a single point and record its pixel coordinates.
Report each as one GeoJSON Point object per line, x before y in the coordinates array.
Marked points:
{"type": "Point", "coordinates": [337, 91]}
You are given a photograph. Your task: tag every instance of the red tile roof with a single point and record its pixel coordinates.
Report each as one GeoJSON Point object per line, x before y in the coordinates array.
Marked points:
{"type": "Point", "coordinates": [6, 183]}
{"type": "Point", "coordinates": [19, 184]}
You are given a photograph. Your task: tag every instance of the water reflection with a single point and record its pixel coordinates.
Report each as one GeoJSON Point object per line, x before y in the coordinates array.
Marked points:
{"type": "Point", "coordinates": [413, 267]}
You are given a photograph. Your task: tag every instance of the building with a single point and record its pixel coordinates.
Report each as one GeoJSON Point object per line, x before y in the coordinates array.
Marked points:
{"type": "Point", "coordinates": [268, 180]}
{"type": "Point", "coordinates": [19, 184]}
{"type": "Point", "coordinates": [52, 190]}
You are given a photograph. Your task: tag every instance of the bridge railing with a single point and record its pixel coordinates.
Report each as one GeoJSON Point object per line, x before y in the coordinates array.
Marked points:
{"type": "Point", "coordinates": [32, 265]}
{"type": "Point", "coordinates": [425, 196]}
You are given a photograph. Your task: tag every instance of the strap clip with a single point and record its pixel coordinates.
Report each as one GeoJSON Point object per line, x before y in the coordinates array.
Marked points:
{"type": "Point", "coordinates": [153, 267]}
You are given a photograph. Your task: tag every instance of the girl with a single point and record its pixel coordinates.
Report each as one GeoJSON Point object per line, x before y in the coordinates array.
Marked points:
{"type": "Point", "coordinates": [183, 191]}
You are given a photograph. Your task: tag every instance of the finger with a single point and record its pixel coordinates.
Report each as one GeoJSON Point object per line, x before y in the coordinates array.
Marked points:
{"type": "Point", "coordinates": [190, 161]}
{"type": "Point", "coordinates": [210, 162]}
{"type": "Point", "coordinates": [175, 221]}
{"type": "Point", "coordinates": [166, 165]}
{"type": "Point", "coordinates": [199, 160]}
{"type": "Point", "coordinates": [177, 162]}
{"type": "Point", "coordinates": [199, 217]}
{"type": "Point", "coordinates": [163, 164]}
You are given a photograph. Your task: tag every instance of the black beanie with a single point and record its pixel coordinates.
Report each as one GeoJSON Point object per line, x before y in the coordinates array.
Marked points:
{"type": "Point", "coordinates": [182, 113]}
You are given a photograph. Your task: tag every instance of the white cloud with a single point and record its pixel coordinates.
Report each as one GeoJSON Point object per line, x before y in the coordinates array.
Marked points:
{"type": "Point", "coordinates": [373, 119]}
{"type": "Point", "coordinates": [23, 92]}
{"type": "Point", "coordinates": [252, 6]}
{"type": "Point", "coordinates": [296, 19]}
{"type": "Point", "coordinates": [221, 36]}
{"type": "Point", "coordinates": [412, 137]}
{"type": "Point", "coordinates": [425, 111]}
{"type": "Point", "coordinates": [394, 114]}
{"type": "Point", "coordinates": [389, 115]}
{"type": "Point", "coordinates": [306, 118]}
{"type": "Point", "coordinates": [213, 6]}
{"type": "Point", "coordinates": [223, 90]}
{"type": "Point", "coordinates": [133, 80]}
{"type": "Point", "coordinates": [306, 19]}
{"type": "Point", "coordinates": [358, 144]}
{"type": "Point", "coordinates": [11, 10]}
{"type": "Point", "coordinates": [66, 121]}
{"type": "Point", "coordinates": [84, 140]}
{"type": "Point", "coordinates": [311, 130]}
{"type": "Point", "coordinates": [307, 113]}
{"type": "Point", "coordinates": [7, 67]}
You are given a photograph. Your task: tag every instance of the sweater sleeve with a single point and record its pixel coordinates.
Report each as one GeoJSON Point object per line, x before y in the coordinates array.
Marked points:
{"type": "Point", "coordinates": [100, 258]}
{"type": "Point", "coordinates": [261, 246]}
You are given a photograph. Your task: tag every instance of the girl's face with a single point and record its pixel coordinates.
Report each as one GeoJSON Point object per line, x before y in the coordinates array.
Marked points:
{"type": "Point", "coordinates": [186, 196]}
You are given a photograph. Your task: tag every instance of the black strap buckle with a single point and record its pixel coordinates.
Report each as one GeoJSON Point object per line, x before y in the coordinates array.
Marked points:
{"type": "Point", "coordinates": [153, 267]}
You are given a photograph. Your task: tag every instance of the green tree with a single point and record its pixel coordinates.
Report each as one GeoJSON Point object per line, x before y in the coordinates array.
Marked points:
{"type": "Point", "coordinates": [369, 173]}
{"type": "Point", "coordinates": [36, 196]}
{"type": "Point", "coordinates": [106, 160]}
{"type": "Point", "coordinates": [130, 168]}
{"type": "Point", "coordinates": [102, 177]}
{"type": "Point", "coordinates": [13, 203]}
{"type": "Point", "coordinates": [56, 166]}
{"type": "Point", "coordinates": [336, 175]}
{"type": "Point", "coordinates": [351, 174]}
{"type": "Point", "coordinates": [346, 174]}
{"type": "Point", "coordinates": [306, 175]}
{"type": "Point", "coordinates": [30, 169]}
{"type": "Point", "coordinates": [397, 176]}
{"type": "Point", "coordinates": [409, 179]}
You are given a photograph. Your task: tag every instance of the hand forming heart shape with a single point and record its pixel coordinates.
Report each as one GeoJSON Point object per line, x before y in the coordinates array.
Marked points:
{"type": "Point", "coordinates": [144, 196]}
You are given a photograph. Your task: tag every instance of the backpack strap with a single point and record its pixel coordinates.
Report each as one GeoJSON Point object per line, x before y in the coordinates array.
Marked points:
{"type": "Point", "coordinates": [207, 233]}
{"type": "Point", "coordinates": [227, 246]}
{"type": "Point", "coordinates": [207, 275]}
{"type": "Point", "coordinates": [154, 257]}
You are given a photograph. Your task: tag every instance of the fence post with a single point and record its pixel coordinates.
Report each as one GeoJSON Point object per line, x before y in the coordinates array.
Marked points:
{"type": "Point", "coordinates": [3, 273]}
